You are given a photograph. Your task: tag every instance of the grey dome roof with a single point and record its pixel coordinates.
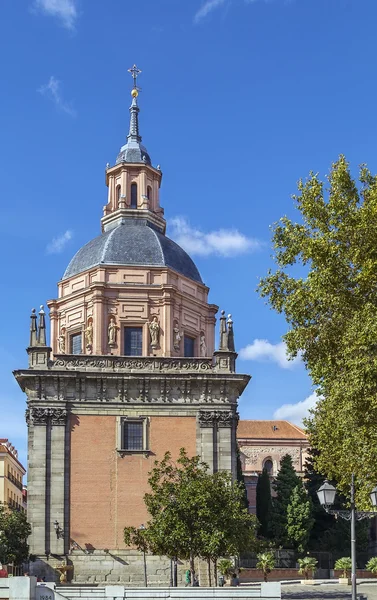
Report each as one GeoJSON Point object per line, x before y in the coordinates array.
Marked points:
{"type": "Point", "coordinates": [133, 242]}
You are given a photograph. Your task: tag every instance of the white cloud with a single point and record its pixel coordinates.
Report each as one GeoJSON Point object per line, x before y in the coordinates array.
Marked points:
{"type": "Point", "coordinates": [64, 10]}
{"type": "Point", "coordinates": [206, 8]}
{"type": "Point", "coordinates": [58, 244]}
{"type": "Point", "coordinates": [52, 89]}
{"type": "Point", "coordinates": [297, 412]}
{"type": "Point", "coordinates": [224, 242]}
{"type": "Point", "coordinates": [211, 5]}
{"type": "Point", "coordinates": [263, 350]}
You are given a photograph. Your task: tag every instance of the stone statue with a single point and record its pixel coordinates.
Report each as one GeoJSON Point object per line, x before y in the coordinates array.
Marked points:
{"type": "Point", "coordinates": [203, 345]}
{"type": "Point", "coordinates": [176, 337]}
{"type": "Point", "coordinates": [112, 332]}
{"type": "Point", "coordinates": [61, 343]}
{"type": "Point", "coordinates": [154, 330]}
{"type": "Point", "coordinates": [89, 334]}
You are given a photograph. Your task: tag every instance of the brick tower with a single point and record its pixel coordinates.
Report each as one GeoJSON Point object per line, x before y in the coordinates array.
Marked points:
{"type": "Point", "coordinates": [131, 372]}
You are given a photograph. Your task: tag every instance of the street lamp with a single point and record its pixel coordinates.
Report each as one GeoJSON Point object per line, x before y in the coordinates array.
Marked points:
{"type": "Point", "coordinates": [326, 496]}
{"type": "Point", "coordinates": [142, 528]}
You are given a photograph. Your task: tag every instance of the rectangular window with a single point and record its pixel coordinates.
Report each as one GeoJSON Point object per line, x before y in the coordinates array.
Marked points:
{"type": "Point", "coordinates": [133, 345]}
{"type": "Point", "coordinates": [189, 346]}
{"type": "Point", "coordinates": [133, 435]}
{"type": "Point", "coordinates": [76, 347]}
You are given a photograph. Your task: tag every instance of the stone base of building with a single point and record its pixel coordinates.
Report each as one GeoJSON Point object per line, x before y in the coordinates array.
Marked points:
{"type": "Point", "coordinates": [124, 567]}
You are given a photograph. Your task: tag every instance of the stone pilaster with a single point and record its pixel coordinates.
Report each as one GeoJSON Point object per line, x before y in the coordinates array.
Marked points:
{"type": "Point", "coordinates": [57, 481]}
{"type": "Point", "coordinates": [36, 479]}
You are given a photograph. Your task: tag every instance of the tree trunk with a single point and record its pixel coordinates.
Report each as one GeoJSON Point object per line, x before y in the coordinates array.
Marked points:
{"type": "Point", "coordinates": [265, 576]}
{"type": "Point", "coordinates": [192, 569]}
{"type": "Point", "coordinates": [209, 572]}
{"type": "Point", "coordinates": [215, 572]}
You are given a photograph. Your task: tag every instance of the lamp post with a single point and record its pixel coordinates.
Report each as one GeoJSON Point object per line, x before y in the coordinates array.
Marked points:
{"type": "Point", "coordinates": [326, 496]}
{"type": "Point", "coordinates": [142, 528]}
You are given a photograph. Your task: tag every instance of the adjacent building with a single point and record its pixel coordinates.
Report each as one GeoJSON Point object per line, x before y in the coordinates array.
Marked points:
{"type": "Point", "coordinates": [131, 371]}
{"type": "Point", "coordinates": [11, 477]}
{"type": "Point", "coordinates": [262, 445]}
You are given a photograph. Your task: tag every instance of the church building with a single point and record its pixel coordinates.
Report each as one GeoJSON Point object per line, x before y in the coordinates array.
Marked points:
{"type": "Point", "coordinates": [131, 371]}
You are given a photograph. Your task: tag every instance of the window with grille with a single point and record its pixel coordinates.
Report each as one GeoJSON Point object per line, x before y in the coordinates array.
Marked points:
{"type": "Point", "coordinates": [133, 343]}
{"type": "Point", "coordinates": [133, 435]}
{"type": "Point", "coordinates": [76, 343]}
{"type": "Point", "coordinates": [189, 346]}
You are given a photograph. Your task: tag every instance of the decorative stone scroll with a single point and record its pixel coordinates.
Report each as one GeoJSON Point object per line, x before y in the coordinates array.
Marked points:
{"type": "Point", "coordinates": [38, 415]}
{"type": "Point", "coordinates": [217, 418]}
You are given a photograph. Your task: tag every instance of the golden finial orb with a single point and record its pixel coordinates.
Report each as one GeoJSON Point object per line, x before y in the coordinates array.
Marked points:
{"type": "Point", "coordinates": [134, 93]}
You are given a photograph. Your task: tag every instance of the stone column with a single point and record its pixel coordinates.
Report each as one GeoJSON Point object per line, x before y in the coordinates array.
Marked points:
{"type": "Point", "coordinates": [36, 482]}
{"type": "Point", "coordinates": [57, 479]}
{"type": "Point", "coordinates": [207, 439]}
{"type": "Point", "coordinates": [226, 422]}
{"type": "Point", "coordinates": [99, 343]}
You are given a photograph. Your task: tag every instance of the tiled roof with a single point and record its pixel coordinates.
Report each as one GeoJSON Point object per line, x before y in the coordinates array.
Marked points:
{"type": "Point", "coordinates": [269, 430]}
{"type": "Point", "coordinates": [133, 243]}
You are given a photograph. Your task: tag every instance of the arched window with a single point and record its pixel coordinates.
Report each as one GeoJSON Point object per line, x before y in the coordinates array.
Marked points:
{"type": "Point", "coordinates": [118, 193]}
{"type": "Point", "coordinates": [268, 466]}
{"type": "Point", "coordinates": [133, 195]}
{"type": "Point", "coordinates": [149, 192]}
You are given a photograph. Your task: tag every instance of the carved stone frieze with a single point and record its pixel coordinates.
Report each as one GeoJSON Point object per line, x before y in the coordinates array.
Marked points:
{"type": "Point", "coordinates": [42, 415]}
{"type": "Point", "coordinates": [115, 363]}
{"type": "Point", "coordinates": [216, 418]}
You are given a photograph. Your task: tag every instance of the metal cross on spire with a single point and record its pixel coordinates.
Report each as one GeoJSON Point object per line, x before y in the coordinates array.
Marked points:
{"type": "Point", "coordinates": [135, 72]}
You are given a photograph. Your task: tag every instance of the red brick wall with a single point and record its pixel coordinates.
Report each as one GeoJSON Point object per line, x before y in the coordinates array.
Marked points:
{"type": "Point", "coordinates": [107, 490]}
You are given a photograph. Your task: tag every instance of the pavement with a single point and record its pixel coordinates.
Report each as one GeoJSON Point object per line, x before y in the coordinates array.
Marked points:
{"type": "Point", "coordinates": [328, 590]}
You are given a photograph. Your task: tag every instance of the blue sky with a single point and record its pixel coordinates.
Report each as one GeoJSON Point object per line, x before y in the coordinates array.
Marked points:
{"type": "Point", "coordinates": [239, 99]}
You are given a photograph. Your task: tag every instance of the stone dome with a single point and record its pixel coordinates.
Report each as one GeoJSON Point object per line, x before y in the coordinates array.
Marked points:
{"type": "Point", "coordinates": [133, 242]}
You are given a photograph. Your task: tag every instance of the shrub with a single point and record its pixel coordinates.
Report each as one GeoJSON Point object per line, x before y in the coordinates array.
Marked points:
{"type": "Point", "coordinates": [308, 566]}
{"type": "Point", "coordinates": [344, 564]}
{"type": "Point", "coordinates": [266, 562]}
{"type": "Point", "coordinates": [225, 567]}
{"type": "Point", "coordinates": [372, 564]}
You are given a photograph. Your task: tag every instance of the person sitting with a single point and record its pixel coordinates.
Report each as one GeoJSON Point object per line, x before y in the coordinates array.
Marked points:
{"type": "Point", "coordinates": [235, 582]}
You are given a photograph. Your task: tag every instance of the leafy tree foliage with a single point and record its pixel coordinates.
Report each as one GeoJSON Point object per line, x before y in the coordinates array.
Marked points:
{"type": "Point", "coordinates": [194, 513]}
{"type": "Point", "coordinates": [241, 479]}
{"type": "Point", "coordinates": [328, 533]}
{"type": "Point", "coordinates": [323, 522]}
{"type": "Point", "coordinates": [14, 531]}
{"type": "Point", "coordinates": [307, 566]}
{"type": "Point", "coordinates": [264, 503]}
{"type": "Point", "coordinates": [299, 518]}
{"type": "Point", "coordinates": [266, 562]}
{"type": "Point", "coordinates": [325, 284]}
{"type": "Point", "coordinates": [286, 481]}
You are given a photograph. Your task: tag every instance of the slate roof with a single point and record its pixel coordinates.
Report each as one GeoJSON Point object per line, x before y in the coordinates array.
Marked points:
{"type": "Point", "coordinates": [269, 430]}
{"type": "Point", "coordinates": [133, 243]}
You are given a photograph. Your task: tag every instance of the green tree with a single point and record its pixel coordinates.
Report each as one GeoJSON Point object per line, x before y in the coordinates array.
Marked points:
{"type": "Point", "coordinates": [194, 513]}
{"type": "Point", "coordinates": [299, 518]}
{"type": "Point", "coordinates": [266, 563]}
{"type": "Point", "coordinates": [241, 479]}
{"type": "Point", "coordinates": [285, 482]}
{"type": "Point", "coordinates": [323, 522]}
{"type": "Point", "coordinates": [325, 284]}
{"type": "Point", "coordinates": [264, 503]}
{"type": "Point", "coordinates": [307, 566]}
{"type": "Point", "coordinates": [14, 531]}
